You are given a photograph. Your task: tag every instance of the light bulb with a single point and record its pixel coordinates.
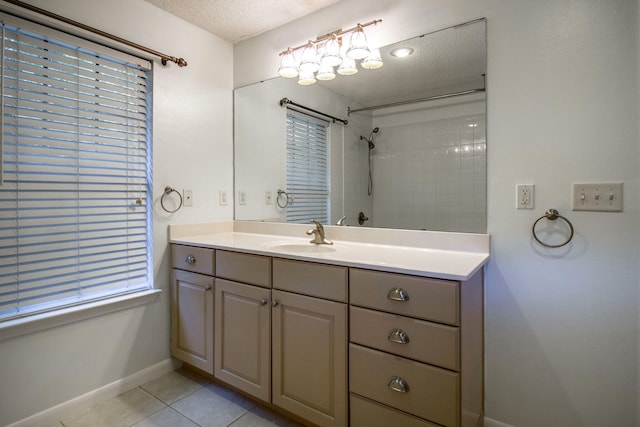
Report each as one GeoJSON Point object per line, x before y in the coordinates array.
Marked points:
{"type": "Point", "coordinates": [358, 47]}
{"type": "Point", "coordinates": [309, 59]}
{"type": "Point", "coordinates": [306, 78]}
{"type": "Point", "coordinates": [331, 54]}
{"type": "Point", "coordinates": [348, 67]}
{"type": "Point", "coordinates": [288, 65]}
{"type": "Point", "coordinates": [373, 61]}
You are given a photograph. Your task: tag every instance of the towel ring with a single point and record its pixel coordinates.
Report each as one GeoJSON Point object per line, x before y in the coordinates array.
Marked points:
{"type": "Point", "coordinates": [552, 215]}
{"type": "Point", "coordinates": [167, 191]}
{"type": "Point", "coordinates": [286, 200]}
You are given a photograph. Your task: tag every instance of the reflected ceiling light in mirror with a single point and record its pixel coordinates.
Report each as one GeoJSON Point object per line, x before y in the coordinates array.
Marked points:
{"type": "Point", "coordinates": [325, 72]}
{"type": "Point", "coordinates": [348, 67]}
{"type": "Point", "coordinates": [324, 53]}
{"type": "Point", "coordinates": [401, 52]}
{"type": "Point", "coordinates": [306, 78]}
{"type": "Point", "coordinates": [373, 61]}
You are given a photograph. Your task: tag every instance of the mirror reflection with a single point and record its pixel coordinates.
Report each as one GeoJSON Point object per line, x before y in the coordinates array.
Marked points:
{"type": "Point", "coordinates": [412, 154]}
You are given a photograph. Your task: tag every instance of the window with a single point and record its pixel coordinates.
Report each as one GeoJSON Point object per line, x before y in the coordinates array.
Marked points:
{"type": "Point", "coordinates": [307, 168]}
{"type": "Point", "coordinates": [75, 225]}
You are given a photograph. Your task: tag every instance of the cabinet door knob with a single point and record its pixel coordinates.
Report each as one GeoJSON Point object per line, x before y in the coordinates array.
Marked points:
{"type": "Point", "coordinates": [398, 336]}
{"type": "Point", "coordinates": [398, 384]}
{"type": "Point", "coordinates": [207, 288]}
{"type": "Point", "coordinates": [274, 303]}
{"type": "Point", "coordinates": [263, 301]}
{"type": "Point", "coordinates": [190, 259]}
{"type": "Point", "coordinates": [398, 294]}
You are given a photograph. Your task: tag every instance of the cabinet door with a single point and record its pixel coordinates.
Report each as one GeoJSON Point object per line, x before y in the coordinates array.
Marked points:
{"type": "Point", "coordinates": [242, 337]}
{"type": "Point", "coordinates": [192, 319]}
{"type": "Point", "coordinates": [309, 339]}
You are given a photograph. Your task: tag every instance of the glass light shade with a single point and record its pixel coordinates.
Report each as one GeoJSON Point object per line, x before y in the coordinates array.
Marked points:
{"type": "Point", "coordinates": [358, 46]}
{"type": "Point", "coordinates": [306, 78]}
{"type": "Point", "coordinates": [325, 72]}
{"type": "Point", "coordinates": [373, 61]}
{"type": "Point", "coordinates": [309, 59]}
{"type": "Point", "coordinates": [331, 56]}
{"type": "Point", "coordinates": [348, 67]}
{"type": "Point", "coordinates": [288, 65]}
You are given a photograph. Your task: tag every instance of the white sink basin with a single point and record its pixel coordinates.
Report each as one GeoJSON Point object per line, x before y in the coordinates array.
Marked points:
{"type": "Point", "coordinates": [303, 248]}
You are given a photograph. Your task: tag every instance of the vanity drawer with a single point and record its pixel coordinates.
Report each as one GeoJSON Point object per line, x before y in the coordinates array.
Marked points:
{"type": "Point", "coordinates": [308, 278]}
{"type": "Point", "coordinates": [413, 338]}
{"type": "Point", "coordinates": [431, 393]}
{"type": "Point", "coordinates": [191, 258]}
{"type": "Point", "coordinates": [245, 268]}
{"type": "Point", "coordinates": [366, 413]}
{"type": "Point", "coordinates": [429, 299]}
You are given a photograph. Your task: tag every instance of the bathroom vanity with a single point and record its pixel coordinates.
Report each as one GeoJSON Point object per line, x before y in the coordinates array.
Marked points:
{"type": "Point", "coordinates": [359, 333]}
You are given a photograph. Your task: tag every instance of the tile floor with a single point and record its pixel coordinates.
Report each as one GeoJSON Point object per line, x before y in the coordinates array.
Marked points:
{"type": "Point", "coordinates": [181, 398]}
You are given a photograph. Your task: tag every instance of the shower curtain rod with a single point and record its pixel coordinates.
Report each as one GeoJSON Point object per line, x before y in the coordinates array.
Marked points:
{"type": "Point", "coordinates": [284, 101]}
{"type": "Point", "coordinates": [164, 58]}
{"type": "Point", "coordinates": [413, 101]}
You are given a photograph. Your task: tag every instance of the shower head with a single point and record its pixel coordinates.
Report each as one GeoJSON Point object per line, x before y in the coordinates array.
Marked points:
{"type": "Point", "coordinates": [370, 139]}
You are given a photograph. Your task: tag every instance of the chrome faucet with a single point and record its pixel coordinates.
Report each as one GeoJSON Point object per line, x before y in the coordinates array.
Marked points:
{"type": "Point", "coordinates": [318, 234]}
{"type": "Point", "coordinates": [341, 221]}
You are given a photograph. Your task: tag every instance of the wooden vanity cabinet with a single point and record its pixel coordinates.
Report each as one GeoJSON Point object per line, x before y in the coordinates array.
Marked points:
{"type": "Point", "coordinates": [335, 346]}
{"type": "Point", "coordinates": [283, 341]}
{"type": "Point", "coordinates": [309, 346]}
{"type": "Point", "coordinates": [416, 350]}
{"type": "Point", "coordinates": [192, 305]}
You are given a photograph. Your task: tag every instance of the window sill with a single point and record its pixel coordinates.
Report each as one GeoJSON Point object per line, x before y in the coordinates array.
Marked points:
{"type": "Point", "coordinates": [39, 322]}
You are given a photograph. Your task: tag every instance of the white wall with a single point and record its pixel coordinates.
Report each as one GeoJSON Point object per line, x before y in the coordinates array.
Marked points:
{"type": "Point", "coordinates": [561, 325]}
{"type": "Point", "coordinates": [192, 148]}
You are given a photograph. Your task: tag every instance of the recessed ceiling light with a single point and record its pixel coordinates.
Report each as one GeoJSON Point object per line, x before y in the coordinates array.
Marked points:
{"type": "Point", "coordinates": [401, 52]}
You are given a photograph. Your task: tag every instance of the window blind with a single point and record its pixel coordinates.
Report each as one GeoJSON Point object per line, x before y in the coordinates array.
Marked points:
{"type": "Point", "coordinates": [307, 168]}
{"type": "Point", "coordinates": [76, 171]}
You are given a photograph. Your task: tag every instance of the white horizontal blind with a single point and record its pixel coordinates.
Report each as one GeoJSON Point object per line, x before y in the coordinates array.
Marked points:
{"type": "Point", "coordinates": [76, 158]}
{"type": "Point", "coordinates": [307, 168]}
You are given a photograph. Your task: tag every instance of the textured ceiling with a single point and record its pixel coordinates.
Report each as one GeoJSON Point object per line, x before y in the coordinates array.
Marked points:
{"type": "Point", "coordinates": [235, 20]}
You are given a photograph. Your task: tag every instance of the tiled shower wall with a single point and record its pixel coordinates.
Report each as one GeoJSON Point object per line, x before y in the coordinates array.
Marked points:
{"type": "Point", "coordinates": [431, 173]}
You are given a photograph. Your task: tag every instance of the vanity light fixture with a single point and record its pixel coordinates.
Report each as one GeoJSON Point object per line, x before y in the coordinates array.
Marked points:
{"type": "Point", "coordinates": [401, 52]}
{"type": "Point", "coordinates": [318, 58]}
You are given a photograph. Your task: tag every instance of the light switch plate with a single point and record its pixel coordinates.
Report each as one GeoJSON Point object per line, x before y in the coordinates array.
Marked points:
{"type": "Point", "coordinates": [599, 197]}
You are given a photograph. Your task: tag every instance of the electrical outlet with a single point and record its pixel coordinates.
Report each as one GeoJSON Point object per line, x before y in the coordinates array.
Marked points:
{"type": "Point", "coordinates": [222, 198]}
{"type": "Point", "coordinates": [187, 197]}
{"type": "Point", "coordinates": [524, 196]}
{"type": "Point", "coordinates": [602, 197]}
{"type": "Point", "coordinates": [268, 197]}
{"type": "Point", "coordinates": [242, 197]}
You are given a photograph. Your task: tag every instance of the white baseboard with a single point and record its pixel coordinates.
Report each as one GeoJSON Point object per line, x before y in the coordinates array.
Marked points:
{"type": "Point", "coordinates": [490, 422]}
{"type": "Point", "coordinates": [109, 391]}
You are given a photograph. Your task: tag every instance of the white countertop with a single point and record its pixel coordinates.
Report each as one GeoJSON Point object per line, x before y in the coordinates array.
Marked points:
{"type": "Point", "coordinates": [454, 256]}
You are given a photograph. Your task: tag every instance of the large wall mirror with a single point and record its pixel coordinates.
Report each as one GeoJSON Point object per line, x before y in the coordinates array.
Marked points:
{"type": "Point", "coordinates": [412, 156]}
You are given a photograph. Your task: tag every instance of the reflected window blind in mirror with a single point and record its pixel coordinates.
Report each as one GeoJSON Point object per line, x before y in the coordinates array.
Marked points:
{"type": "Point", "coordinates": [74, 202]}
{"type": "Point", "coordinates": [307, 168]}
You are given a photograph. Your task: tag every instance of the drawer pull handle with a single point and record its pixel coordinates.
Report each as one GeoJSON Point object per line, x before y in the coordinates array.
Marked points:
{"type": "Point", "coordinates": [263, 301]}
{"type": "Point", "coordinates": [207, 288]}
{"type": "Point", "coordinates": [398, 294]}
{"type": "Point", "coordinates": [274, 303]}
{"type": "Point", "coordinates": [398, 384]}
{"type": "Point", "coordinates": [398, 336]}
{"type": "Point", "coordinates": [191, 259]}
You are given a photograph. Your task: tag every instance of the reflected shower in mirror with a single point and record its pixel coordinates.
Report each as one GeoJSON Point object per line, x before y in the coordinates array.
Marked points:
{"type": "Point", "coordinates": [412, 155]}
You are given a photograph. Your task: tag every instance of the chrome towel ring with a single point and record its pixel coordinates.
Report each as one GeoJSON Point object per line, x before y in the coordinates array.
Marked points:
{"type": "Point", "coordinates": [286, 199]}
{"type": "Point", "coordinates": [167, 191]}
{"type": "Point", "coordinates": [552, 215]}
